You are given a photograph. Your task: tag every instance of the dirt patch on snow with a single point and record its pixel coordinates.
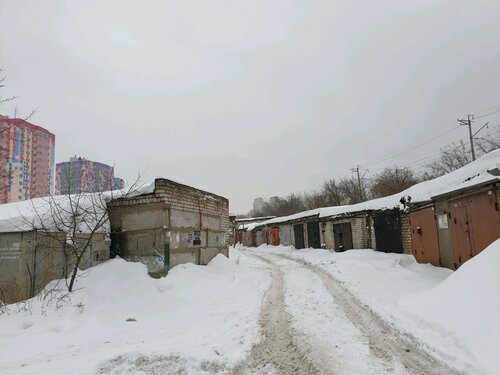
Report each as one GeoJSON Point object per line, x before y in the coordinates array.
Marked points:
{"type": "Point", "coordinates": [142, 364]}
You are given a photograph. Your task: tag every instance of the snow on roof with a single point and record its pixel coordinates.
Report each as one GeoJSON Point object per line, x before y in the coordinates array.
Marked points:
{"type": "Point", "coordinates": [473, 174]}
{"type": "Point", "coordinates": [144, 189]}
{"type": "Point", "coordinates": [54, 211]}
{"type": "Point", "coordinates": [150, 189]}
{"type": "Point", "coordinates": [26, 215]}
{"type": "Point", "coordinates": [282, 219]}
{"type": "Point", "coordinates": [250, 219]}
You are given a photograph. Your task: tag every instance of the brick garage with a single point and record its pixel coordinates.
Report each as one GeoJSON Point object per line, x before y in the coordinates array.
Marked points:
{"type": "Point", "coordinates": [346, 232]}
{"type": "Point", "coordinates": [168, 224]}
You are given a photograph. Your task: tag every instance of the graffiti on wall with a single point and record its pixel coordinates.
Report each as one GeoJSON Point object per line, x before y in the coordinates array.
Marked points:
{"type": "Point", "coordinates": [12, 252]}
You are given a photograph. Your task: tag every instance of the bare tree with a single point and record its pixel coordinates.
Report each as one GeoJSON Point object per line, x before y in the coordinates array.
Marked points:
{"type": "Point", "coordinates": [452, 157]}
{"type": "Point", "coordinates": [349, 188]}
{"type": "Point", "coordinates": [314, 199]}
{"type": "Point", "coordinates": [3, 79]}
{"type": "Point", "coordinates": [457, 155]}
{"type": "Point", "coordinates": [75, 222]}
{"type": "Point", "coordinates": [490, 142]}
{"type": "Point", "coordinates": [332, 193]}
{"type": "Point", "coordinates": [392, 180]}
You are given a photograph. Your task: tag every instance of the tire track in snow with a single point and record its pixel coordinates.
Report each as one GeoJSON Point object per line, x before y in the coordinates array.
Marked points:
{"type": "Point", "coordinates": [324, 326]}
{"type": "Point", "coordinates": [385, 341]}
{"type": "Point", "coordinates": [277, 352]}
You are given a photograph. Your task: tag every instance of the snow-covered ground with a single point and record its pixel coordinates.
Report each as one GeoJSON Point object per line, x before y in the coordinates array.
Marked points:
{"type": "Point", "coordinates": [198, 319]}
{"type": "Point", "coordinates": [266, 310]}
{"type": "Point", "coordinates": [455, 315]}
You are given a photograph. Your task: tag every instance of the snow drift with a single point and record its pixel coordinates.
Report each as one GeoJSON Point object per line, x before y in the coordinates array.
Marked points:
{"type": "Point", "coordinates": [120, 320]}
{"type": "Point", "coordinates": [467, 306]}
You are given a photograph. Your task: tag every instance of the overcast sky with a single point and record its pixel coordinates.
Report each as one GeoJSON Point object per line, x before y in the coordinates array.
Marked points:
{"type": "Point", "coordinates": [251, 98]}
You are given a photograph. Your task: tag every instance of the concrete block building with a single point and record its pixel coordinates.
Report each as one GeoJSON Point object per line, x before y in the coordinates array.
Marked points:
{"type": "Point", "coordinates": [30, 259]}
{"type": "Point", "coordinates": [168, 223]}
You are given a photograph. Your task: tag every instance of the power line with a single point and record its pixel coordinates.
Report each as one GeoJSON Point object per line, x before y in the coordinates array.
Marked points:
{"type": "Point", "coordinates": [487, 109]}
{"type": "Point", "coordinates": [427, 159]}
{"type": "Point", "coordinates": [422, 160]}
{"type": "Point", "coordinates": [405, 150]}
{"type": "Point", "coordinates": [486, 115]}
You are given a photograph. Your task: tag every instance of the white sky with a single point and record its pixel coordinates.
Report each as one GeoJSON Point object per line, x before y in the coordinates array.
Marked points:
{"type": "Point", "coordinates": [250, 98]}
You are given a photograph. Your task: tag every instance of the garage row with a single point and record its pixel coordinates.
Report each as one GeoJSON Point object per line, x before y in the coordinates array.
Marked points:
{"type": "Point", "coordinates": [450, 220]}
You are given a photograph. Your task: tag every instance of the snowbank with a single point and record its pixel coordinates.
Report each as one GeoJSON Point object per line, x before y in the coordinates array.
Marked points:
{"type": "Point", "coordinates": [467, 305]}
{"type": "Point", "coordinates": [120, 320]}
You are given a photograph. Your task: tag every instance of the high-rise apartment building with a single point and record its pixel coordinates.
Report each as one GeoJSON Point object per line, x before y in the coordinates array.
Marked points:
{"type": "Point", "coordinates": [26, 160]}
{"type": "Point", "coordinates": [79, 175]}
{"type": "Point", "coordinates": [119, 183]}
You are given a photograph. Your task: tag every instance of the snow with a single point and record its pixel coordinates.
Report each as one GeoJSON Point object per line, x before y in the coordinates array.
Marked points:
{"type": "Point", "coordinates": [197, 317]}
{"type": "Point", "coordinates": [149, 188]}
{"type": "Point", "coordinates": [475, 173]}
{"type": "Point", "coordinates": [144, 189]}
{"type": "Point", "coordinates": [326, 324]}
{"type": "Point", "coordinates": [467, 304]}
{"type": "Point", "coordinates": [25, 215]}
{"type": "Point", "coordinates": [456, 315]}
{"type": "Point", "coordinates": [205, 319]}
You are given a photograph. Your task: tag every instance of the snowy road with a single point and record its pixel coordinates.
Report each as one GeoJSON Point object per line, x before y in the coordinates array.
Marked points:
{"type": "Point", "coordinates": [266, 310]}
{"type": "Point", "coordinates": [311, 324]}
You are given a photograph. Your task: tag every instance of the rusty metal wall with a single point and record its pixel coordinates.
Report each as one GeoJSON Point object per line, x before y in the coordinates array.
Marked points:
{"type": "Point", "coordinates": [475, 224]}
{"type": "Point", "coordinates": [424, 236]}
{"type": "Point", "coordinates": [275, 236]}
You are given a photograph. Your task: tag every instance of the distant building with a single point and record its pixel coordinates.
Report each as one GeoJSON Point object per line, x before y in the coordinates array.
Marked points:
{"type": "Point", "coordinates": [118, 183]}
{"type": "Point", "coordinates": [258, 204]}
{"type": "Point", "coordinates": [79, 175]}
{"type": "Point", "coordinates": [274, 200]}
{"type": "Point", "coordinates": [26, 160]}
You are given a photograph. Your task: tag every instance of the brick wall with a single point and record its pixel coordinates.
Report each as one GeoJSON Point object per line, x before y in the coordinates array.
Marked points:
{"type": "Point", "coordinates": [406, 233]}
{"type": "Point", "coordinates": [360, 233]}
{"type": "Point", "coordinates": [326, 230]}
{"type": "Point", "coordinates": [359, 228]}
{"type": "Point", "coordinates": [194, 222]}
{"type": "Point", "coordinates": [373, 239]}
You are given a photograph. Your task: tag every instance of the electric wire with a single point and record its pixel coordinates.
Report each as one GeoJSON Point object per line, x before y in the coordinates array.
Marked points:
{"type": "Point", "coordinates": [402, 151]}
{"type": "Point", "coordinates": [493, 107]}
{"type": "Point", "coordinates": [486, 115]}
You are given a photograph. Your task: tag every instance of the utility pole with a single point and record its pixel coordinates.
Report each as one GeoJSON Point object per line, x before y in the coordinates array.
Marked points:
{"type": "Point", "coordinates": [468, 123]}
{"type": "Point", "coordinates": [360, 187]}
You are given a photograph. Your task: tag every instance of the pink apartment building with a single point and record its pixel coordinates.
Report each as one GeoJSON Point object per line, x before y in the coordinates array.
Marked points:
{"type": "Point", "coordinates": [26, 160]}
